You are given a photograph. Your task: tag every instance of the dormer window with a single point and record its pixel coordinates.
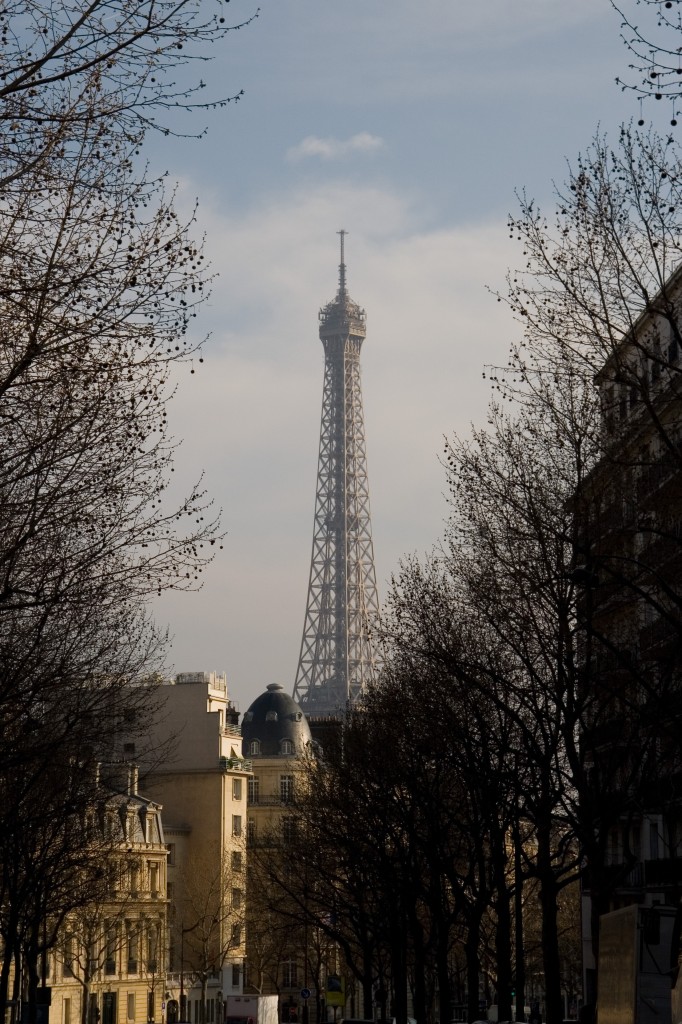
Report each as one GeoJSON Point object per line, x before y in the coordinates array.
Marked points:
{"type": "Point", "coordinates": [286, 747]}
{"type": "Point", "coordinates": [254, 747]}
{"type": "Point", "coordinates": [271, 716]}
{"type": "Point", "coordinates": [248, 716]}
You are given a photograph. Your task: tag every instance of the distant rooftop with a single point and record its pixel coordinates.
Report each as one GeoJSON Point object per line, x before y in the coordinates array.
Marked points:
{"type": "Point", "coordinates": [216, 680]}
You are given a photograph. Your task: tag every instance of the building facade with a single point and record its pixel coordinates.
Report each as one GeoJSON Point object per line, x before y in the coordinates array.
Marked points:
{"type": "Point", "coordinates": [110, 963]}
{"type": "Point", "coordinates": [194, 766]}
{"type": "Point", "coordinates": [276, 738]}
{"type": "Point", "coordinates": [630, 572]}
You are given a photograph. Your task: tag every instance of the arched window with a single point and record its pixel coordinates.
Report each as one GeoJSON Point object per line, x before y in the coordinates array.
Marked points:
{"type": "Point", "coordinates": [254, 747]}
{"type": "Point", "coordinates": [271, 716]}
{"type": "Point", "coordinates": [286, 747]}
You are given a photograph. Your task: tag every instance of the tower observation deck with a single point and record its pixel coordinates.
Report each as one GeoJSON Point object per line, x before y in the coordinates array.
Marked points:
{"type": "Point", "coordinates": [338, 659]}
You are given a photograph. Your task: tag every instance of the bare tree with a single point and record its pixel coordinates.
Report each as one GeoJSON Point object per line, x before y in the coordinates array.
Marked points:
{"type": "Point", "coordinates": [209, 917]}
{"type": "Point", "coordinates": [654, 50]}
{"type": "Point", "coordinates": [118, 65]}
{"type": "Point", "coordinates": [101, 284]}
{"type": "Point", "coordinates": [563, 503]}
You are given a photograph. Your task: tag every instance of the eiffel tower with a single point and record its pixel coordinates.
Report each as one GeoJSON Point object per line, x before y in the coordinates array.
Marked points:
{"type": "Point", "coordinates": [338, 659]}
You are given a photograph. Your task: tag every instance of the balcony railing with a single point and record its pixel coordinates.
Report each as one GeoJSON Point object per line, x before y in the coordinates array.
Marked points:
{"type": "Point", "coordinates": [270, 801]}
{"type": "Point", "coordinates": [231, 730]}
{"type": "Point", "coordinates": [648, 874]}
{"type": "Point", "coordinates": [234, 764]}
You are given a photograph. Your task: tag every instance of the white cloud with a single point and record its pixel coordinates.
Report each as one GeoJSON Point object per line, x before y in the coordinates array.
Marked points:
{"type": "Point", "coordinates": [334, 149]}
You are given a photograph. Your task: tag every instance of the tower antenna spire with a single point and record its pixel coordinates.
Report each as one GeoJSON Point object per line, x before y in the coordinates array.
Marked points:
{"type": "Point", "coordinates": [342, 265]}
{"type": "Point", "coordinates": [338, 659]}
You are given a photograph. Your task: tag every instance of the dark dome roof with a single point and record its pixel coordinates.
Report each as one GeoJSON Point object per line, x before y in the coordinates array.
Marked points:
{"type": "Point", "coordinates": [272, 718]}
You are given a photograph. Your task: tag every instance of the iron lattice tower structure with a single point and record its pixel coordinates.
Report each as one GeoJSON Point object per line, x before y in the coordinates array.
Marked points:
{"type": "Point", "coordinates": [338, 660]}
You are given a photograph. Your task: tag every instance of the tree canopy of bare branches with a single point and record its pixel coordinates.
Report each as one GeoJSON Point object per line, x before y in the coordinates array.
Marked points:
{"type": "Point", "coordinates": [101, 280]}
{"type": "Point", "coordinates": [654, 50]}
{"type": "Point", "coordinates": [121, 66]}
{"type": "Point", "coordinates": [554, 597]}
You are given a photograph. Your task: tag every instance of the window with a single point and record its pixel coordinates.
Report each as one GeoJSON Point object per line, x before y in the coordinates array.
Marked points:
{"type": "Point", "coordinates": [154, 879]}
{"type": "Point", "coordinates": [236, 789]}
{"type": "Point", "coordinates": [254, 747]}
{"type": "Point", "coordinates": [68, 956]}
{"type": "Point", "coordinates": [253, 790]}
{"type": "Point", "coordinates": [235, 975]}
{"type": "Point", "coordinates": [110, 951]}
{"type": "Point", "coordinates": [288, 829]}
{"type": "Point", "coordinates": [66, 1011]}
{"type": "Point", "coordinates": [289, 974]}
{"type": "Point", "coordinates": [236, 860]}
{"type": "Point", "coordinates": [130, 1012]}
{"type": "Point", "coordinates": [236, 898]}
{"type": "Point", "coordinates": [171, 852]}
{"type": "Point", "coordinates": [236, 935]}
{"type": "Point", "coordinates": [152, 949]}
{"type": "Point", "coordinates": [236, 824]}
{"type": "Point", "coordinates": [655, 368]}
{"type": "Point", "coordinates": [113, 876]}
{"type": "Point", "coordinates": [653, 841]}
{"type": "Point", "coordinates": [271, 716]}
{"type": "Point", "coordinates": [250, 832]}
{"type": "Point", "coordinates": [286, 788]}
{"type": "Point", "coordinates": [133, 874]}
{"type": "Point", "coordinates": [286, 747]}
{"type": "Point", "coordinates": [150, 1005]}
{"type": "Point", "coordinates": [132, 949]}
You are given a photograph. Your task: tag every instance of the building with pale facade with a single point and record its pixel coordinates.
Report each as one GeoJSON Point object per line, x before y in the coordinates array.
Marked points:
{"type": "Point", "coordinates": [276, 738]}
{"type": "Point", "coordinates": [194, 766]}
{"type": "Point", "coordinates": [109, 965]}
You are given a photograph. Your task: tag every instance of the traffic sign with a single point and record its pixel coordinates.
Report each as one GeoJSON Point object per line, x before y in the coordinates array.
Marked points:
{"type": "Point", "coordinates": [305, 993]}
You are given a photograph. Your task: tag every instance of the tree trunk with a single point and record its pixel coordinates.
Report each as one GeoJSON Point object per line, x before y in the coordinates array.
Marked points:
{"type": "Point", "coordinates": [367, 1007]}
{"type": "Point", "coordinates": [520, 974]}
{"type": "Point", "coordinates": [399, 972]}
{"type": "Point", "coordinates": [4, 977]}
{"type": "Point", "coordinates": [473, 969]}
{"type": "Point", "coordinates": [444, 990]}
{"type": "Point", "coordinates": [31, 979]}
{"type": "Point", "coordinates": [420, 967]}
{"type": "Point", "coordinates": [204, 985]}
{"type": "Point", "coordinates": [550, 941]}
{"type": "Point", "coordinates": [85, 1006]}
{"type": "Point", "coordinates": [503, 953]}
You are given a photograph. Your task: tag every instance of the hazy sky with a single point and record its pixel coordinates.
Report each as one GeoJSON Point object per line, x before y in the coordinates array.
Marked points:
{"type": "Point", "coordinates": [410, 125]}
